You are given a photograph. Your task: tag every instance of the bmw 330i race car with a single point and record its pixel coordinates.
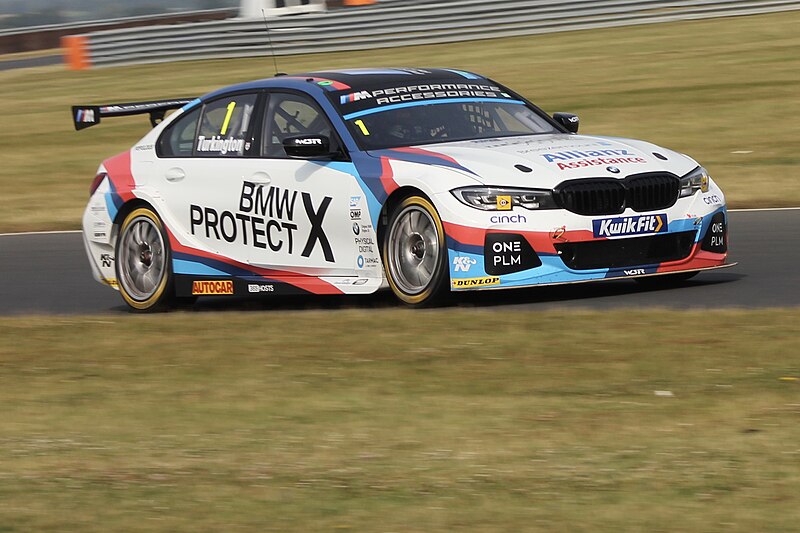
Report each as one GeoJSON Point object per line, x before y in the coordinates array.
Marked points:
{"type": "Point", "coordinates": [422, 180]}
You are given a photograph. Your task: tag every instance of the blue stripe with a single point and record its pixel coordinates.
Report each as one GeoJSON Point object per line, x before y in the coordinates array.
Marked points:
{"type": "Point", "coordinates": [191, 104]}
{"type": "Point", "coordinates": [468, 75]}
{"type": "Point", "coordinates": [182, 266]}
{"type": "Point", "coordinates": [428, 102]}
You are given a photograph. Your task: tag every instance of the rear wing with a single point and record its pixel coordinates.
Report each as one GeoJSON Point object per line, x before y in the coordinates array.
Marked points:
{"type": "Point", "coordinates": [85, 116]}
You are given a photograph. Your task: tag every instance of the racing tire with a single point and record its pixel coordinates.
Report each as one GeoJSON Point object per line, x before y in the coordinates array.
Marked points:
{"type": "Point", "coordinates": [143, 262]}
{"type": "Point", "coordinates": [666, 280]}
{"type": "Point", "coordinates": [415, 253]}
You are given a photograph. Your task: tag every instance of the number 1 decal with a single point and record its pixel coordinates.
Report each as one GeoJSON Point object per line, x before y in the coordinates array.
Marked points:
{"type": "Point", "coordinates": [227, 120]}
{"type": "Point", "coordinates": [362, 127]}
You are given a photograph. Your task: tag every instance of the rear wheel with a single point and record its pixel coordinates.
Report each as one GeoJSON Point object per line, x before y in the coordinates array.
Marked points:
{"type": "Point", "coordinates": [143, 261]}
{"type": "Point", "coordinates": [415, 254]}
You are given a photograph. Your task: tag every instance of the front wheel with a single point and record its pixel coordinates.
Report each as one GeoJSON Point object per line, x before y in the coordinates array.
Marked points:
{"type": "Point", "coordinates": [415, 254]}
{"type": "Point", "coordinates": [143, 261]}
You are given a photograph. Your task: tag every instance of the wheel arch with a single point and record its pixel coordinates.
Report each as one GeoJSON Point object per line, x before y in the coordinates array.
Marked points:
{"type": "Point", "coordinates": [391, 203]}
{"type": "Point", "coordinates": [165, 297]}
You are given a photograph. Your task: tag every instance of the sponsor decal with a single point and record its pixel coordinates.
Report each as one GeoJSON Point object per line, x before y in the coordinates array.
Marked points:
{"type": "Point", "coordinates": [367, 262]}
{"type": "Point", "coordinates": [715, 240]}
{"type": "Point", "coordinates": [712, 199]}
{"type": "Point", "coordinates": [265, 219]}
{"type": "Point", "coordinates": [355, 214]}
{"type": "Point", "coordinates": [463, 264]}
{"type": "Point", "coordinates": [106, 260]}
{"type": "Point", "coordinates": [506, 253]}
{"type": "Point", "coordinates": [572, 159]}
{"type": "Point", "coordinates": [144, 147]}
{"type": "Point", "coordinates": [365, 245]}
{"type": "Point", "coordinates": [356, 228]}
{"type": "Point", "coordinates": [635, 225]}
{"type": "Point", "coordinates": [613, 170]}
{"type": "Point", "coordinates": [217, 144]}
{"type": "Point", "coordinates": [257, 288]}
{"type": "Point", "coordinates": [308, 141]}
{"type": "Point", "coordinates": [212, 287]}
{"type": "Point", "coordinates": [635, 272]}
{"type": "Point", "coordinates": [508, 219]}
{"type": "Point", "coordinates": [475, 282]}
{"type": "Point", "coordinates": [558, 234]}
{"type": "Point", "coordinates": [429, 91]}
{"type": "Point", "coordinates": [355, 201]}
{"type": "Point", "coordinates": [504, 203]}
{"type": "Point", "coordinates": [86, 116]}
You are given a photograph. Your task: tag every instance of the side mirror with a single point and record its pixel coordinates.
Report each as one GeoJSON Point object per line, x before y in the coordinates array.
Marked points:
{"type": "Point", "coordinates": [568, 120]}
{"type": "Point", "coordinates": [307, 146]}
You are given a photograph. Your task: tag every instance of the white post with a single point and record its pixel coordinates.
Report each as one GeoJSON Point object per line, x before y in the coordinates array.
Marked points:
{"type": "Point", "coordinates": [252, 9]}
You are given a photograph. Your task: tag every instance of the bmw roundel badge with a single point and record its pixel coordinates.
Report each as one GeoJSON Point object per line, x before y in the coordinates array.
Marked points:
{"type": "Point", "coordinates": [613, 170]}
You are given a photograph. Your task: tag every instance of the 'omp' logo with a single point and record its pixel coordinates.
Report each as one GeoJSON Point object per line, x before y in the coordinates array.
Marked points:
{"type": "Point", "coordinates": [638, 225]}
{"type": "Point", "coordinates": [212, 287]}
{"type": "Point", "coordinates": [475, 282]}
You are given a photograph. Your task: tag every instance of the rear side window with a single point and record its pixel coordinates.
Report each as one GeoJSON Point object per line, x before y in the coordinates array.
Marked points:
{"type": "Point", "coordinates": [290, 115]}
{"type": "Point", "coordinates": [225, 125]}
{"type": "Point", "coordinates": [178, 139]}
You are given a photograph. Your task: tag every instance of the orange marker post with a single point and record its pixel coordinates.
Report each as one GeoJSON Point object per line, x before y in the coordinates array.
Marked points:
{"type": "Point", "coordinates": [76, 52]}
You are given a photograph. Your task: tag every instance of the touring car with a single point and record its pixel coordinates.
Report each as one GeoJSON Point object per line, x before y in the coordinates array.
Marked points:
{"type": "Point", "coordinates": [425, 181]}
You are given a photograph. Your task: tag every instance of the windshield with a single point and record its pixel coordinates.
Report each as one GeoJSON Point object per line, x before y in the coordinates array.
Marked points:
{"type": "Point", "coordinates": [425, 114]}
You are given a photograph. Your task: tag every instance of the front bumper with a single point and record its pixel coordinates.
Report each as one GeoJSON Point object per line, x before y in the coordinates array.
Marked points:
{"type": "Point", "coordinates": [520, 248]}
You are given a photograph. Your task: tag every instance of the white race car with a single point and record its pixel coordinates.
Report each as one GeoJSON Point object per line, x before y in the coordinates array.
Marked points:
{"type": "Point", "coordinates": [423, 180]}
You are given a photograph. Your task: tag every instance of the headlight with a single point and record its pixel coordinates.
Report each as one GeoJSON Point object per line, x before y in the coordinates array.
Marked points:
{"type": "Point", "coordinates": [696, 180]}
{"type": "Point", "coordinates": [504, 198]}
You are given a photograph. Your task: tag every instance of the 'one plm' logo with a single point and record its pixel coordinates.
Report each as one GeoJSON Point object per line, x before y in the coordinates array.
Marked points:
{"type": "Point", "coordinates": [638, 225]}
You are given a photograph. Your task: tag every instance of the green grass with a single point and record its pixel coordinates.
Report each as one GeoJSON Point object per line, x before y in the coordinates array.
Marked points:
{"type": "Point", "coordinates": [707, 88]}
{"type": "Point", "coordinates": [465, 420]}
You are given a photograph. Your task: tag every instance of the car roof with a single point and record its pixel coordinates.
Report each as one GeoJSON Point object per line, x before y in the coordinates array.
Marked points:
{"type": "Point", "coordinates": [357, 78]}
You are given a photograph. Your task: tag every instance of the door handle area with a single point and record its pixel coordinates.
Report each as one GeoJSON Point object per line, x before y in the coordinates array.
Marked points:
{"type": "Point", "coordinates": [260, 178]}
{"type": "Point", "coordinates": [175, 174]}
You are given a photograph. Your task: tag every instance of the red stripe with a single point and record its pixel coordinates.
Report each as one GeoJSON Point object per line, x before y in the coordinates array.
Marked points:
{"type": "Point", "coordinates": [308, 283]}
{"type": "Point", "coordinates": [387, 176]}
{"type": "Point", "coordinates": [697, 259]}
{"type": "Point", "coordinates": [420, 151]}
{"type": "Point", "coordinates": [540, 241]}
{"type": "Point", "coordinates": [119, 172]}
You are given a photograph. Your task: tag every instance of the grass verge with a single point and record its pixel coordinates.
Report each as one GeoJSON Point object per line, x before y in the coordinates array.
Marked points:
{"type": "Point", "coordinates": [723, 90]}
{"type": "Point", "coordinates": [486, 421]}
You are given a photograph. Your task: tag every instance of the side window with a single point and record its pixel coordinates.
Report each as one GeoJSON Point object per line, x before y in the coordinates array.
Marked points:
{"type": "Point", "coordinates": [178, 139]}
{"type": "Point", "coordinates": [224, 127]}
{"type": "Point", "coordinates": [289, 115]}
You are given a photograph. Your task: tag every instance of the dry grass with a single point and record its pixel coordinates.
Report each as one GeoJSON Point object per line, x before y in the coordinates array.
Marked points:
{"type": "Point", "coordinates": [392, 420]}
{"type": "Point", "coordinates": [708, 88]}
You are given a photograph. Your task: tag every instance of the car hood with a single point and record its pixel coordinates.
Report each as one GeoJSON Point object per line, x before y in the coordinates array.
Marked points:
{"type": "Point", "coordinates": [544, 161]}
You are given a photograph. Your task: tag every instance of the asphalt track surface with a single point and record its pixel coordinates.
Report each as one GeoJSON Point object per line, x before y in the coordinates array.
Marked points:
{"type": "Point", "coordinates": [42, 61]}
{"type": "Point", "coordinates": [48, 273]}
